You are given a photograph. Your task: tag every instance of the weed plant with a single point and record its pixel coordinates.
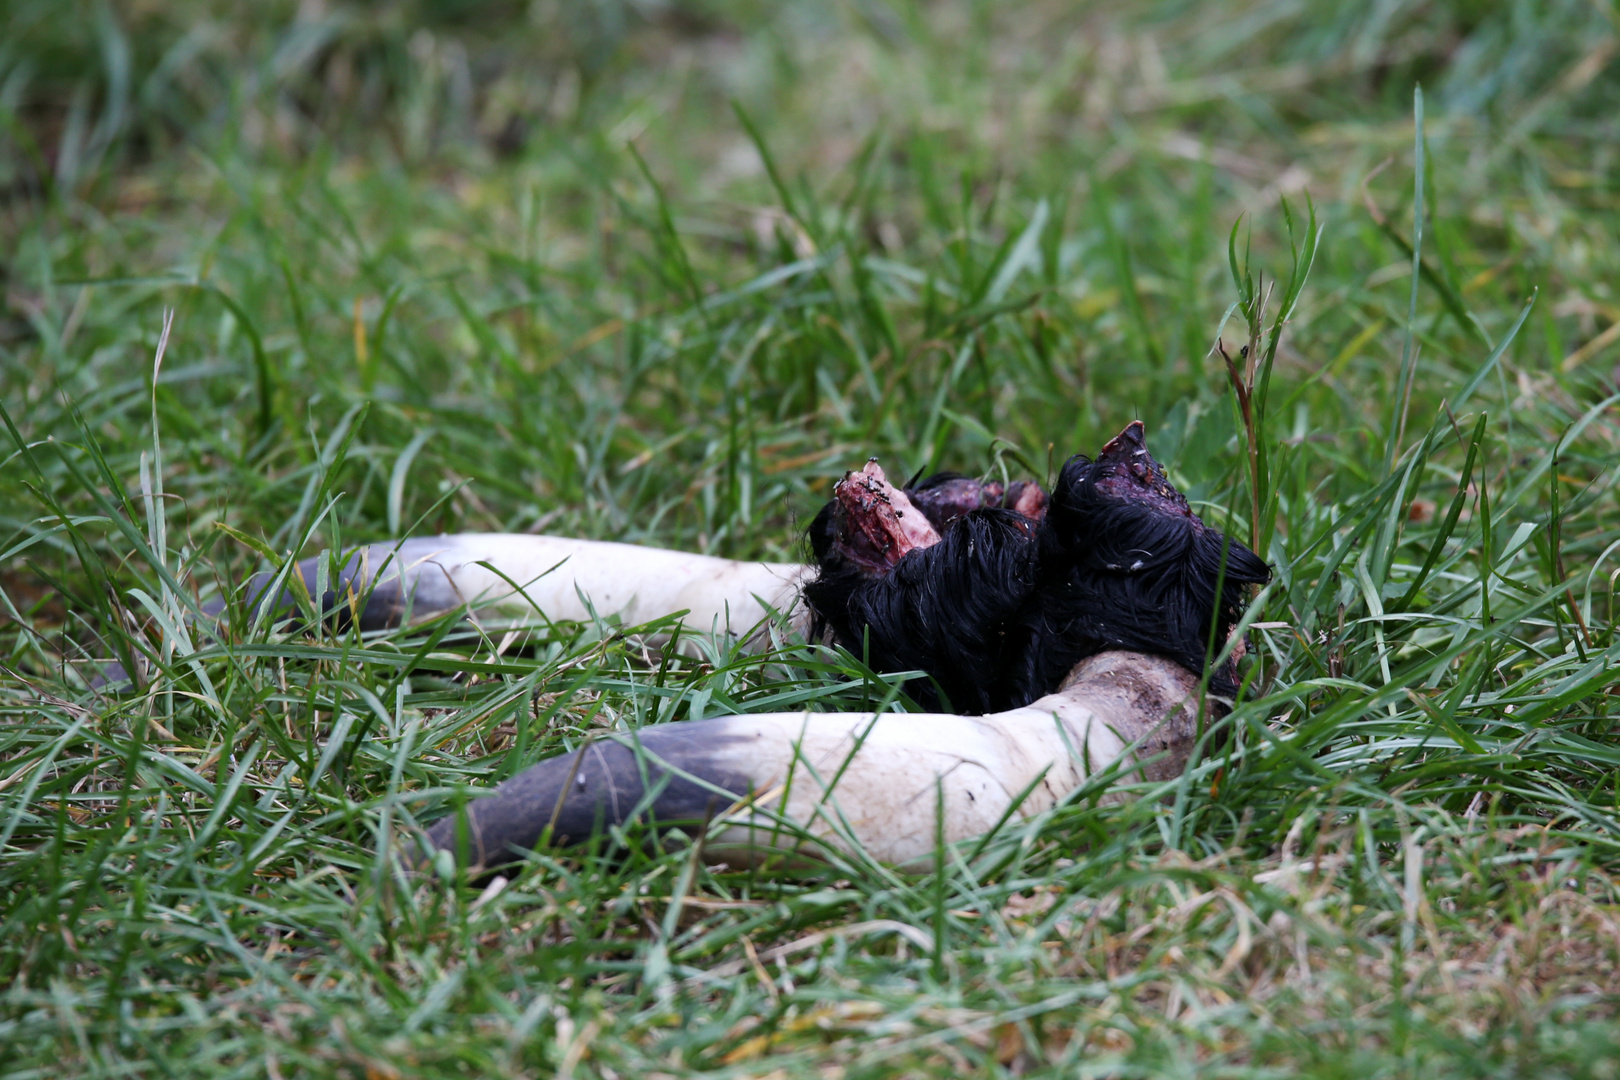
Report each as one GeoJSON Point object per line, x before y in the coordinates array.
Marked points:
{"type": "Point", "coordinates": [281, 278]}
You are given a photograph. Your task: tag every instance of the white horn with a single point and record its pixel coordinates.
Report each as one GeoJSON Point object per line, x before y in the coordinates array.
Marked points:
{"type": "Point", "coordinates": [513, 578]}
{"type": "Point", "coordinates": [845, 780]}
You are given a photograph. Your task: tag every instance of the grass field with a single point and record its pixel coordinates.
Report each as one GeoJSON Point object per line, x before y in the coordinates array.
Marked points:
{"type": "Point", "coordinates": [660, 272]}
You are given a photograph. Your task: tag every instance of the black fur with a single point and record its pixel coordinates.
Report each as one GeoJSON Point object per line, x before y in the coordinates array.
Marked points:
{"type": "Point", "coordinates": [1003, 606]}
{"type": "Point", "coordinates": [1121, 573]}
{"type": "Point", "coordinates": [934, 612]}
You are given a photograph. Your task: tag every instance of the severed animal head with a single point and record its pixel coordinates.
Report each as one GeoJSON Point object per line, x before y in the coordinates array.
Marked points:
{"type": "Point", "coordinates": [997, 594]}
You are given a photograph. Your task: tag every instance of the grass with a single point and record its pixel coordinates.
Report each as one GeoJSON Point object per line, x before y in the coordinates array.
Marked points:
{"type": "Point", "coordinates": [660, 273]}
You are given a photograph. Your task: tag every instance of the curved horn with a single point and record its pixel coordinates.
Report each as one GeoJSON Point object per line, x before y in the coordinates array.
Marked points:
{"type": "Point", "coordinates": [846, 780]}
{"type": "Point", "coordinates": [508, 578]}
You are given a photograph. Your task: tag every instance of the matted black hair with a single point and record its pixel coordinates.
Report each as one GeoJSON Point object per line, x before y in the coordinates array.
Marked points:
{"type": "Point", "coordinates": [1005, 602]}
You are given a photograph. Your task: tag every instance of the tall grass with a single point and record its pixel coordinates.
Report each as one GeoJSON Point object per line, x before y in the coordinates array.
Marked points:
{"type": "Point", "coordinates": [660, 274]}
